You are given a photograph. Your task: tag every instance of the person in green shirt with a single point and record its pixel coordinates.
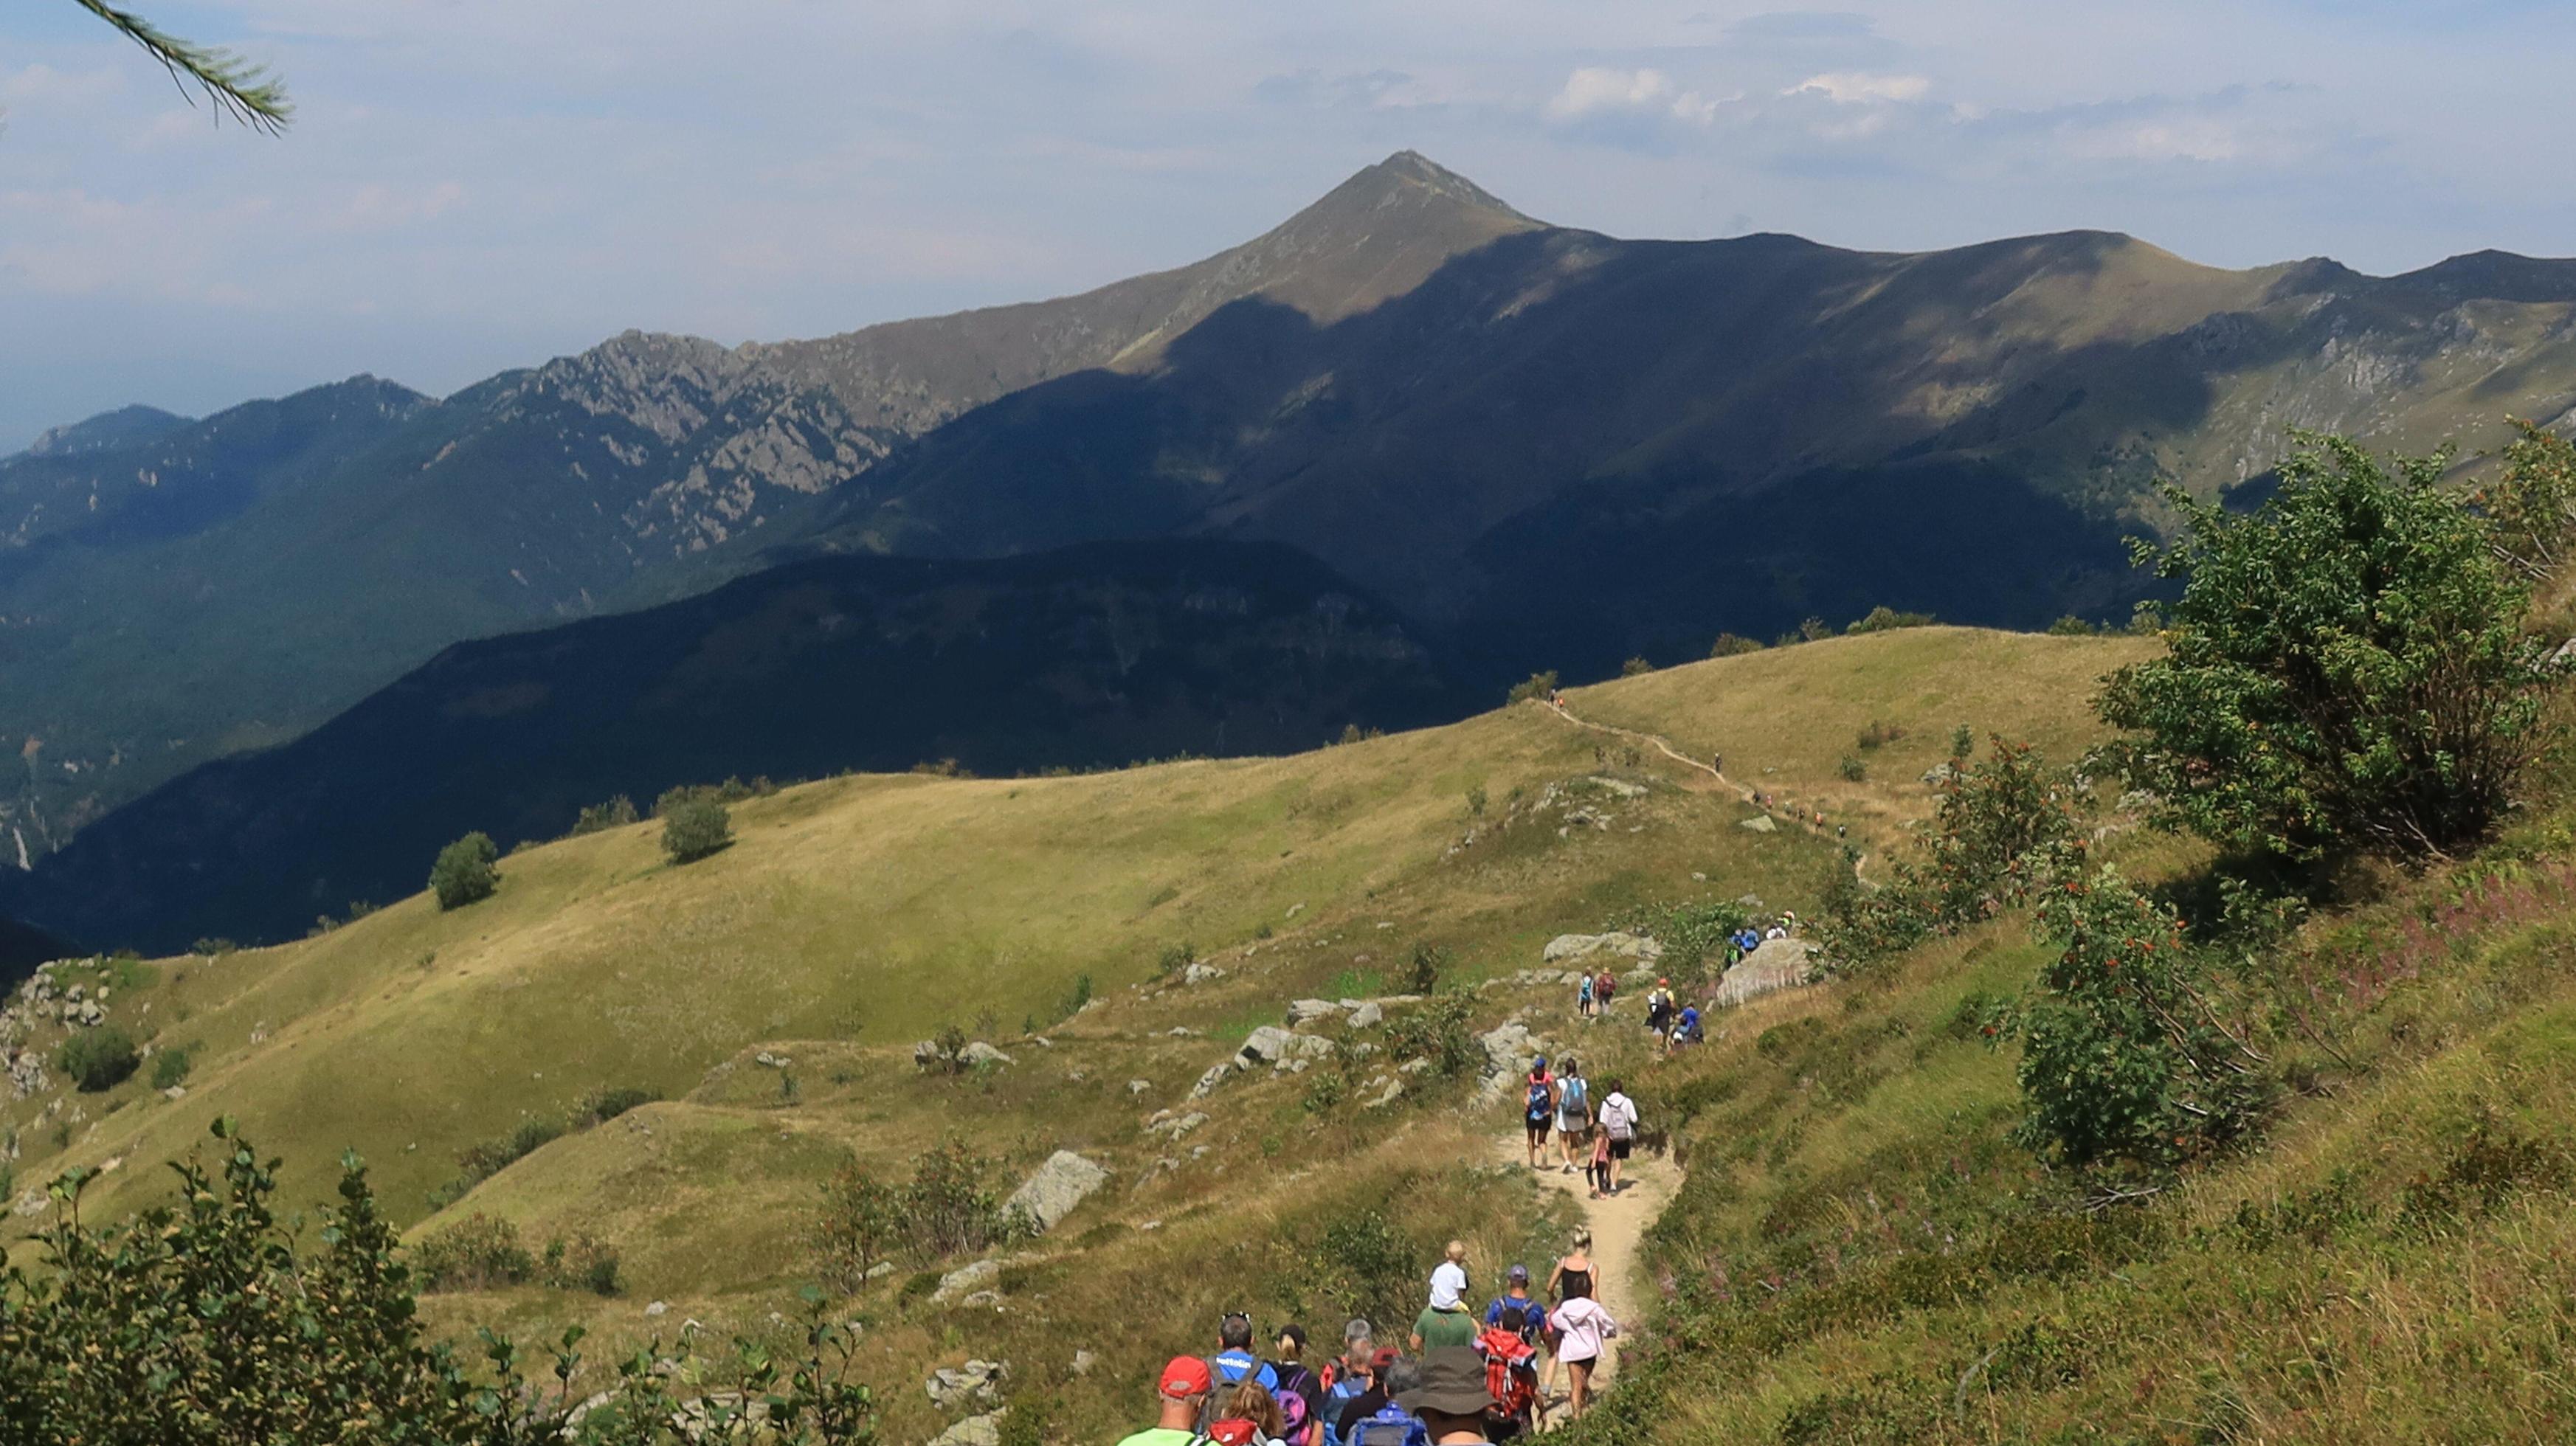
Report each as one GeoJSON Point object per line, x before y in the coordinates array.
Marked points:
{"type": "Point", "coordinates": [1184, 1388]}
{"type": "Point", "coordinates": [1436, 1327]}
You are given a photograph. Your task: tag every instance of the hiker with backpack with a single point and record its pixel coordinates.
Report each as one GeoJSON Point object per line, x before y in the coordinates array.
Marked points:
{"type": "Point", "coordinates": [1573, 1111]}
{"type": "Point", "coordinates": [1249, 1417]}
{"type": "Point", "coordinates": [1602, 990]}
{"type": "Point", "coordinates": [1516, 1292]}
{"type": "Point", "coordinates": [1583, 997]}
{"type": "Point", "coordinates": [1300, 1390]}
{"type": "Point", "coordinates": [1511, 1372]}
{"type": "Point", "coordinates": [1659, 1008]}
{"type": "Point", "coordinates": [1450, 1399]}
{"type": "Point", "coordinates": [1686, 1030]}
{"type": "Point", "coordinates": [1538, 1108]}
{"type": "Point", "coordinates": [1234, 1361]}
{"type": "Point", "coordinates": [1182, 1394]}
{"type": "Point", "coordinates": [1389, 1422]}
{"type": "Point", "coordinates": [1619, 1129]}
{"type": "Point", "coordinates": [1346, 1376]}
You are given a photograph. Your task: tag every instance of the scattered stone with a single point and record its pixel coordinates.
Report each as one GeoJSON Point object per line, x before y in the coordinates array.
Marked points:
{"type": "Point", "coordinates": [1083, 1361]}
{"type": "Point", "coordinates": [984, 1430]}
{"type": "Point", "coordinates": [1208, 1082]}
{"type": "Point", "coordinates": [991, 1299]}
{"type": "Point", "coordinates": [1387, 1096]}
{"type": "Point", "coordinates": [1064, 1181]}
{"type": "Point", "coordinates": [980, 1053]}
{"type": "Point", "coordinates": [175, 1092]}
{"type": "Point", "coordinates": [1295, 909]}
{"type": "Point", "coordinates": [925, 1054]}
{"type": "Point", "coordinates": [657, 1308]}
{"type": "Point", "coordinates": [1940, 773]}
{"type": "Point", "coordinates": [1619, 786]}
{"type": "Point", "coordinates": [1139, 1086]}
{"type": "Point", "coordinates": [1181, 1031]}
{"type": "Point", "coordinates": [1175, 1128]}
{"type": "Point", "coordinates": [1367, 1015]}
{"type": "Point", "coordinates": [1305, 1011]}
{"type": "Point", "coordinates": [1413, 1066]}
{"type": "Point", "coordinates": [766, 1060]}
{"type": "Point", "coordinates": [1760, 823]}
{"type": "Point", "coordinates": [1201, 974]}
{"type": "Point", "coordinates": [978, 1382]}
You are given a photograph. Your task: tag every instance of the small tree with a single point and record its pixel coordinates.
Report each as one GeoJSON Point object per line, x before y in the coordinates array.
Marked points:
{"type": "Point", "coordinates": [695, 823]}
{"type": "Point", "coordinates": [1422, 976]}
{"type": "Point", "coordinates": [1635, 667]}
{"type": "Point", "coordinates": [948, 1207]}
{"type": "Point", "coordinates": [1729, 645]}
{"type": "Point", "coordinates": [864, 1220]}
{"type": "Point", "coordinates": [465, 872]}
{"type": "Point", "coordinates": [2530, 507]}
{"type": "Point", "coordinates": [98, 1059]}
{"type": "Point", "coordinates": [1883, 618]}
{"type": "Point", "coordinates": [1536, 687]}
{"type": "Point", "coordinates": [618, 812]}
{"type": "Point", "coordinates": [170, 1068]}
{"type": "Point", "coordinates": [2346, 668]}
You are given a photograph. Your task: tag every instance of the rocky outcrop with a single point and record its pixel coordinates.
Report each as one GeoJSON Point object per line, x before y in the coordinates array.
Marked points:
{"type": "Point", "coordinates": [974, 1383]}
{"type": "Point", "coordinates": [1778, 964]}
{"type": "Point", "coordinates": [984, 1430]}
{"type": "Point", "coordinates": [980, 1053]}
{"type": "Point", "coordinates": [1585, 948]}
{"type": "Point", "coordinates": [966, 1278]}
{"type": "Point", "coordinates": [1063, 1182]}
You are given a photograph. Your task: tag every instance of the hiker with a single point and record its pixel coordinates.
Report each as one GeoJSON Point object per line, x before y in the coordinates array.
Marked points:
{"type": "Point", "coordinates": [1581, 1327]}
{"type": "Point", "coordinates": [1685, 1031]}
{"type": "Point", "coordinates": [1659, 1008]}
{"type": "Point", "coordinates": [1347, 1375]}
{"type": "Point", "coordinates": [1538, 1111]}
{"type": "Point", "coordinates": [1446, 1321]}
{"type": "Point", "coordinates": [1516, 1293]}
{"type": "Point", "coordinates": [1619, 1130]}
{"type": "Point", "coordinates": [1249, 1417]}
{"type": "Point", "coordinates": [1583, 997]}
{"type": "Point", "coordinates": [1573, 1110]}
{"type": "Point", "coordinates": [1511, 1372]}
{"type": "Point", "coordinates": [1775, 932]}
{"type": "Point", "coordinates": [1300, 1390]}
{"type": "Point", "coordinates": [1450, 1399]}
{"type": "Point", "coordinates": [1371, 1374]}
{"type": "Point", "coordinates": [1389, 1422]}
{"type": "Point", "coordinates": [1717, 764]}
{"type": "Point", "coordinates": [1571, 1277]}
{"type": "Point", "coordinates": [1234, 1360]}
{"type": "Point", "coordinates": [1596, 1166]}
{"type": "Point", "coordinates": [1604, 987]}
{"type": "Point", "coordinates": [1182, 1392]}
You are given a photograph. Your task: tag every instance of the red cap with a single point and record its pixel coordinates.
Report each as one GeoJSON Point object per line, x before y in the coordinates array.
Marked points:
{"type": "Point", "coordinates": [1187, 1376]}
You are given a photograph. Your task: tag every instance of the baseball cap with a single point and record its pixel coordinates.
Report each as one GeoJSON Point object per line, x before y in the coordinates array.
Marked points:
{"type": "Point", "coordinates": [1385, 1357]}
{"type": "Point", "coordinates": [1517, 1275]}
{"type": "Point", "coordinates": [1186, 1376]}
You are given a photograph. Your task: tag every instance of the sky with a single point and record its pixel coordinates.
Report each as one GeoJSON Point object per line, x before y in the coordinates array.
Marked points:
{"type": "Point", "coordinates": [472, 185]}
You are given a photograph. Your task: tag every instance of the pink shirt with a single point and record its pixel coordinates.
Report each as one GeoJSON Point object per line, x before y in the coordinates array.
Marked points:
{"type": "Point", "coordinates": [1581, 1325]}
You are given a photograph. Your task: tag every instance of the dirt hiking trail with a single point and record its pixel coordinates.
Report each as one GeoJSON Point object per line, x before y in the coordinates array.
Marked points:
{"type": "Point", "coordinates": [1618, 1234]}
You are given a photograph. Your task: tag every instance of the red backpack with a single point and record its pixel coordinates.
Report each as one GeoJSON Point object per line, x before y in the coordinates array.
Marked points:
{"type": "Point", "coordinates": [1511, 1373]}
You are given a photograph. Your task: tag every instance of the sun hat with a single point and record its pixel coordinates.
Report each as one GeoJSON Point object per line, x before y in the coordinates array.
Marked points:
{"type": "Point", "coordinates": [1453, 1383]}
{"type": "Point", "coordinates": [1186, 1376]}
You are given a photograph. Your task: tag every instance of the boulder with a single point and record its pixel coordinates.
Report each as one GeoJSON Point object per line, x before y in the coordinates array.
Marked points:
{"type": "Point", "coordinates": [1302, 1012]}
{"type": "Point", "coordinates": [1139, 1086]}
{"type": "Point", "coordinates": [1175, 1128]}
{"type": "Point", "coordinates": [925, 1053]}
{"type": "Point", "coordinates": [980, 1053]}
{"type": "Point", "coordinates": [1760, 823]}
{"type": "Point", "coordinates": [966, 1278]}
{"type": "Point", "coordinates": [1367, 1015]}
{"type": "Point", "coordinates": [766, 1060]}
{"type": "Point", "coordinates": [1208, 1082]}
{"type": "Point", "coordinates": [1778, 964]}
{"type": "Point", "coordinates": [1201, 974]}
{"type": "Point", "coordinates": [1573, 948]}
{"type": "Point", "coordinates": [1064, 1181]}
{"type": "Point", "coordinates": [1394, 1089]}
{"type": "Point", "coordinates": [1267, 1045]}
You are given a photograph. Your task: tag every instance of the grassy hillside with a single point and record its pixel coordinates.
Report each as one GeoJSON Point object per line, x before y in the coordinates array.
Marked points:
{"type": "Point", "coordinates": [857, 915]}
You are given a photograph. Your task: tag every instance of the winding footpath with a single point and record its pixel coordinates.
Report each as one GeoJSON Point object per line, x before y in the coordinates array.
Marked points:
{"type": "Point", "coordinates": [1618, 1236]}
{"type": "Point", "coordinates": [1664, 746]}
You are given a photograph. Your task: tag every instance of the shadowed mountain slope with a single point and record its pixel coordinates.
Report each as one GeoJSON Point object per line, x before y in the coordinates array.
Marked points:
{"type": "Point", "coordinates": [1091, 656]}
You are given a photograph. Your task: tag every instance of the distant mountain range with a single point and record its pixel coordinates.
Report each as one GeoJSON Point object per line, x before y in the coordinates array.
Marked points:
{"type": "Point", "coordinates": [1543, 446]}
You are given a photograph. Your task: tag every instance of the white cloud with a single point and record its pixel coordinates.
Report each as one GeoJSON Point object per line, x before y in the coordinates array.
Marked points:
{"type": "Point", "coordinates": [1600, 90]}
{"type": "Point", "coordinates": [1851, 87]}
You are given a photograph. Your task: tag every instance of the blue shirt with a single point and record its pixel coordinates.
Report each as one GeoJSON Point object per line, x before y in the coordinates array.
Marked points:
{"type": "Point", "coordinates": [1231, 1366]}
{"type": "Point", "coordinates": [1535, 1321]}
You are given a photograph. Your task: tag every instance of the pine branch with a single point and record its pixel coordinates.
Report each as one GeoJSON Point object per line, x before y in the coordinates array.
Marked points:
{"type": "Point", "coordinates": [236, 87]}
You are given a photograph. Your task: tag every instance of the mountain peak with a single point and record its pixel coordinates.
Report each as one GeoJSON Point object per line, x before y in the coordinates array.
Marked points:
{"type": "Point", "coordinates": [1412, 171]}
{"type": "Point", "coordinates": [123, 427]}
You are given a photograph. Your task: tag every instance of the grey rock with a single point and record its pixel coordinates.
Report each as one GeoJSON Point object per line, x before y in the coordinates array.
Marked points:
{"type": "Point", "coordinates": [977, 1382]}
{"type": "Point", "coordinates": [1266, 1044]}
{"type": "Point", "coordinates": [1760, 823]}
{"type": "Point", "coordinates": [991, 1299]}
{"type": "Point", "coordinates": [1175, 1128]}
{"type": "Point", "coordinates": [766, 1060]}
{"type": "Point", "coordinates": [1571, 948]}
{"type": "Point", "coordinates": [1367, 1015]}
{"type": "Point", "coordinates": [657, 1308]}
{"type": "Point", "coordinates": [1619, 786]}
{"type": "Point", "coordinates": [1083, 1361]}
{"type": "Point", "coordinates": [980, 1053]}
{"type": "Point", "coordinates": [1139, 1086]}
{"type": "Point", "coordinates": [966, 1278]}
{"type": "Point", "coordinates": [1063, 1182]}
{"type": "Point", "coordinates": [1201, 974]}
{"type": "Point", "coordinates": [1393, 1091]}
{"type": "Point", "coordinates": [1208, 1082]}
{"type": "Point", "coordinates": [1778, 964]}
{"type": "Point", "coordinates": [984, 1430]}
{"type": "Point", "coordinates": [1302, 1012]}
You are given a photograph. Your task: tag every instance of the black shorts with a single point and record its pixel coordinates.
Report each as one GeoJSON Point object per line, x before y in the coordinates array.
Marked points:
{"type": "Point", "coordinates": [1538, 1125]}
{"type": "Point", "coordinates": [1619, 1148]}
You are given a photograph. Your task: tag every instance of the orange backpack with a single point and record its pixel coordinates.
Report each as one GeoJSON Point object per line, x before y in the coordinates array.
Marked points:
{"type": "Point", "coordinates": [1511, 1375]}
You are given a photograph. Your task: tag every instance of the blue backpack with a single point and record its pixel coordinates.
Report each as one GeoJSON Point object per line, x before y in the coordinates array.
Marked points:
{"type": "Point", "coordinates": [1391, 1426]}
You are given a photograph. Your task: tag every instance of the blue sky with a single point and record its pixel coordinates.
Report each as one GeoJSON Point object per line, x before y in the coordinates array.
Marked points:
{"type": "Point", "coordinates": [476, 184]}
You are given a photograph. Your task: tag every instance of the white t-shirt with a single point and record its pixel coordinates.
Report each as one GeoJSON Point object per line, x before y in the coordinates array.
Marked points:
{"type": "Point", "coordinates": [1619, 1115]}
{"type": "Point", "coordinates": [1448, 1285]}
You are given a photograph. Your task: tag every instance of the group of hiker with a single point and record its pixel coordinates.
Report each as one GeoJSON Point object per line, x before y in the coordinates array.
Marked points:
{"type": "Point", "coordinates": [1461, 1377]}
{"type": "Point", "coordinates": [1558, 1101]}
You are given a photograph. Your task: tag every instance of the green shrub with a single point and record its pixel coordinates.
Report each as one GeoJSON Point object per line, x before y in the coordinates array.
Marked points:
{"type": "Point", "coordinates": [1883, 618]}
{"type": "Point", "coordinates": [694, 824]}
{"type": "Point", "coordinates": [464, 871]}
{"type": "Point", "coordinates": [1537, 687]}
{"type": "Point", "coordinates": [1422, 976]}
{"type": "Point", "coordinates": [584, 1264]}
{"type": "Point", "coordinates": [98, 1059]}
{"type": "Point", "coordinates": [864, 1220]}
{"type": "Point", "coordinates": [1635, 667]}
{"type": "Point", "coordinates": [480, 1162]}
{"type": "Point", "coordinates": [476, 1253]}
{"type": "Point", "coordinates": [1852, 769]}
{"type": "Point", "coordinates": [1364, 1266]}
{"type": "Point", "coordinates": [1437, 1032]}
{"type": "Point", "coordinates": [170, 1068]}
{"type": "Point", "coordinates": [600, 1105]}
{"type": "Point", "coordinates": [950, 1207]}
{"type": "Point", "coordinates": [1077, 998]}
{"type": "Point", "coordinates": [1729, 645]}
{"type": "Point", "coordinates": [2071, 626]}
{"type": "Point", "coordinates": [2346, 668]}
{"type": "Point", "coordinates": [616, 813]}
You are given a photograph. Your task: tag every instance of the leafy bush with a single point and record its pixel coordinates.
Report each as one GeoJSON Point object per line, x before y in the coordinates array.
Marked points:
{"type": "Point", "coordinates": [950, 1208]}
{"type": "Point", "coordinates": [2346, 668]}
{"type": "Point", "coordinates": [1176, 957]}
{"type": "Point", "coordinates": [1422, 975]}
{"type": "Point", "coordinates": [694, 824]}
{"type": "Point", "coordinates": [618, 812]}
{"type": "Point", "coordinates": [1689, 932]}
{"type": "Point", "coordinates": [584, 1264]}
{"type": "Point", "coordinates": [476, 1253]}
{"type": "Point", "coordinates": [1883, 618]}
{"type": "Point", "coordinates": [1537, 687]}
{"type": "Point", "coordinates": [98, 1059]}
{"type": "Point", "coordinates": [1729, 645]}
{"type": "Point", "coordinates": [1364, 1266]}
{"type": "Point", "coordinates": [170, 1068]}
{"type": "Point", "coordinates": [1436, 1032]}
{"type": "Point", "coordinates": [2071, 626]}
{"type": "Point", "coordinates": [2530, 507]}
{"type": "Point", "coordinates": [2123, 1052]}
{"type": "Point", "coordinates": [464, 871]}
{"type": "Point", "coordinates": [1635, 667]}
{"type": "Point", "coordinates": [599, 1106]}
{"type": "Point", "coordinates": [1077, 998]}
{"type": "Point", "coordinates": [480, 1162]}
{"type": "Point", "coordinates": [1878, 735]}
{"type": "Point", "coordinates": [1852, 769]}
